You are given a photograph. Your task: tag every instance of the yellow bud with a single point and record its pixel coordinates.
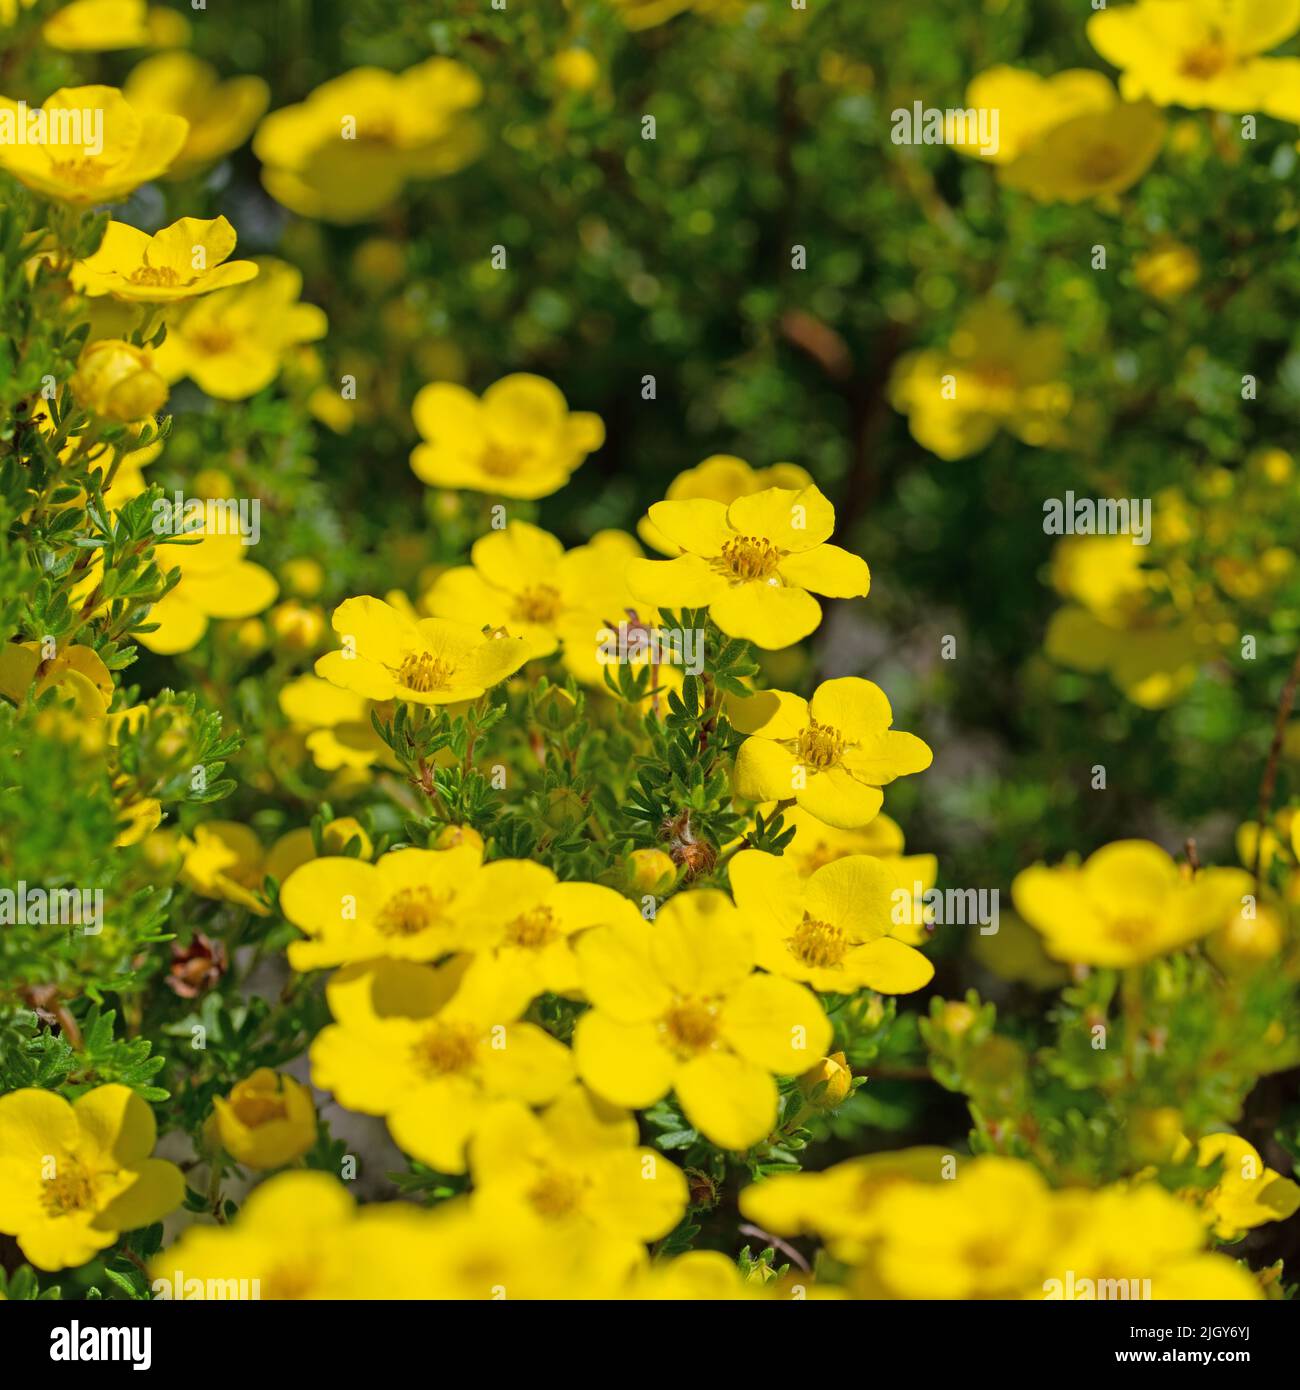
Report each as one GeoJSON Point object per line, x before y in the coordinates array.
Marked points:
{"type": "Point", "coordinates": [1168, 271]}
{"type": "Point", "coordinates": [1245, 943]}
{"type": "Point", "coordinates": [297, 626]}
{"type": "Point", "coordinates": [576, 69]}
{"type": "Point", "coordinates": [335, 836]}
{"type": "Point", "coordinates": [303, 576]}
{"type": "Point", "coordinates": [1155, 1135]}
{"type": "Point", "coordinates": [267, 1120]}
{"type": "Point", "coordinates": [833, 1075]}
{"type": "Point", "coordinates": [453, 835]}
{"type": "Point", "coordinates": [213, 482]}
{"type": "Point", "coordinates": [379, 262]}
{"type": "Point", "coordinates": [956, 1018]}
{"type": "Point", "coordinates": [251, 636]}
{"type": "Point", "coordinates": [117, 380]}
{"type": "Point", "coordinates": [650, 870]}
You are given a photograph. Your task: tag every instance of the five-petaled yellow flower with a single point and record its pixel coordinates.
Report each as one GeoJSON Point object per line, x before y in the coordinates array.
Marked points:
{"type": "Point", "coordinates": [344, 154]}
{"type": "Point", "coordinates": [752, 563]}
{"type": "Point", "coordinates": [577, 1167]}
{"type": "Point", "coordinates": [387, 655]}
{"type": "Point", "coordinates": [181, 261]}
{"type": "Point", "coordinates": [519, 440]}
{"type": "Point", "coordinates": [678, 1006]}
{"type": "Point", "coordinates": [1127, 903]}
{"type": "Point", "coordinates": [221, 115]}
{"type": "Point", "coordinates": [73, 1176]}
{"type": "Point", "coordinates": [96, 147]}
{"type": "Point", "coordinates": [217, 580]}
{"type": "Point", "coordinates": [432, 1050]}
{"type": "Point", "coordinates": [831, 754]}
{"type": "Point", "coordinates": [408, 905]}
{"type": "Point", "coordinates": [233, 343]}
{"type": "Point", "coordinates": [830, 931]}
{"type": "Point", "coordinates": [1203, 53]}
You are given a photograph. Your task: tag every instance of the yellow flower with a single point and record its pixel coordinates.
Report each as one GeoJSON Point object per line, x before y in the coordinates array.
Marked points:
{"type": "Point", "coordinates": [519, 440]}
{"type": "Point", "coordinates": [432, 1050]}
{"type": "Point", "coordinates": [266, 1121]}
{"type": "Point", "coordinates": [303, 576]}
{"type": "Point", "coordinates": [96, 26]}
{"type": "Point", "coordinates": [676, 1006]}
{"type": "Point", "coordinates": [119, 381]}
{"type": "Point", "coordinates": [339, 733]}
{"type": "Point", "coordinates": [577, 1167]}
{"type": "Point", "coordinates": [301, 1236]}
{"type": "Point", "coordinates": [1101, 152]}
{"type": "Point", "coordinates": [78, 672]}
{"type": "Point", "coordinates": [1167, 271]}
{"type": "Point", "coordinates": [179, 262]}
{"type": "Point", "coordinates": [1202, 53]}
{"type": "Point", "coordinates": [815, 844]}
{"type": "Point", "coordinates": [221, 115]}
{"type": "Point", "coordinates": [1136, 1234]}
{"type": "Point", "coordinates": [720, 478]}
{"type": "Point", "coordinates": [407, 905]}
{"type": "Point", "coordinates": [988, 1233]}
{"type": "Point", "coordinates": [575, 69]}
{"type": "Point", "coordinates": [831, 754]}
{"type": "Point", "coordinates": [104, 164]}
{"type": "Point", "coordinates": [1247, 1194]}
{"type": "Point", "coordinates": [994, 374]}
{"type": "Point", "coordinates": [1127, 903]}
{"type": "Point", "coordinates": [298, 627]}
{"type": "Point", "coordinates": [830, 931]}
{"type": "Point", "coordinates": [234, 342]}
{"type": "Point", "coordinates": [216, 581]}
{"type": "Point", "coordinates": [435, 661]}
{"type": "Point", "coordinates": [344, 154]}
{"type": "Point", "coordinates": [523, 922]}
{"type": "Point", "coordinates": [520, 578]}
{"type": "Point", "coordinates": [1028, 106]}
{"type": "Point", "coordinates": [72, 1177]}
{"type": "Point", "coordinates": [845, 1203]}
{"type": "Point", "coordinates": [9, 9]}
{"type": "Point", "coordinates": [752, 563]}
{"type": "Point", "coordinates": [1150, 652]}
{"type": "Point", "coordinates": [225, 860]}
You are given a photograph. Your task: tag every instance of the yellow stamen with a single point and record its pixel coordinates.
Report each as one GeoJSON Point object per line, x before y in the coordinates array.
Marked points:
{"type": "Point", "coordinates": [821, 945]}
{"type": "Point", "coordinates": [410, 911]}
{"type": "Point", "coordinates": [533, 929]}
{"type": "Point", "coordinates": [690, 1026]}
{"type": "Point", "coordinates": [423, 672]}
{"type": "Point", "coordinates": [820, 745]}
{"type": "Point", "coordinates": [750, 557]}
{"type": "Point", "coordinates": [446, 1048]}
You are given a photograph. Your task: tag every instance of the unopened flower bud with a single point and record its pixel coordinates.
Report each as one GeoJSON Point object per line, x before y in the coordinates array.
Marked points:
{"type": "Point", "coordinates": [116, 380]}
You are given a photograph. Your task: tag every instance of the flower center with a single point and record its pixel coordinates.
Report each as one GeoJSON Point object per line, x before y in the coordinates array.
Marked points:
{"type": "Point", "coordinates": [83, 173]}
{"type": "Point", "coordinates": [260, 1109]}
{"type": "Point", "coordinates": [1102, 162]}
{"type": "Point", "coordinates": [410, 911]}
{"type": "Point", "coordinates": [499, 462]}
{"type": "Point", "coordinates": [1206, 61]}
{"type": "Point", "coordinates": [556, 1193]}
{"type": "Point", "coordinates": [154, 275]}
{"type": "Point", "coordinates": [290, 1281]}
{"type": "Point", "coordinates": [750, 557]}
{"type": "Point", "coordinates": [1128, 931]}
{"type": "Point", "coordinates": [821, 945]}
{"type": "Point", "coordinates": [538, 603]}
{"type": "Point", "coordinates": [820, 745]}
{"type": "Point", "coordinates": [533, 929]}
{"type": "Point", "coordinates": [422, 672]}
{"type": "Point", "coordinates": [211, 341]}
{"type": "Point", "coordinates": [691, 1025]}
{"type": "Point", "coordinates": [446, 1048]}
{"type": "Point", "coordinates": [71, 1189]}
